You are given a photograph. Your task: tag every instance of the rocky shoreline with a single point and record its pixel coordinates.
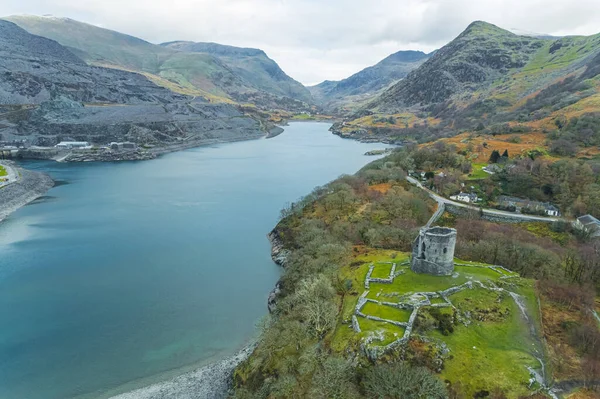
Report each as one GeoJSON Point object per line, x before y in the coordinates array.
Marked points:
{"type": "Point", "coordinates": [280, 256]}
{"type": "Point", "coordinates": [29, 186]}
{"type": "Point", "coordinates": [152, 153]}
{"type": "Point", "coordinates": [212, 381]}
{"type": "Point", "coordinates": [278, 253]}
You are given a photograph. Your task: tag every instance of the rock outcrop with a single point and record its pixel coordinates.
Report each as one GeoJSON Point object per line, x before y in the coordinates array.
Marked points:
{"type": "Point", "coordinates": [278, 253]}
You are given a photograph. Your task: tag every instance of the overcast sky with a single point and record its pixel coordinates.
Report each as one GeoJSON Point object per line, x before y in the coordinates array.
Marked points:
{"type": "Point", "coordinates": [315, 40]}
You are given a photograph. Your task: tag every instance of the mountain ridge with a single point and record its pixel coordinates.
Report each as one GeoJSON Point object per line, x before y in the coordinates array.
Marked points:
{"type": "Point", "coordinates": [48, 95]}
{"type": "Point", "coordinates": [253, 65]}
{"type": "Point", "coordinates": [487, 79]}
{"type": "Point", "coordinates": [212, 48]}
{"type": "Point", "coordinates": [204, 74]}
{"type": "Point", "coordinates": [335, 95]}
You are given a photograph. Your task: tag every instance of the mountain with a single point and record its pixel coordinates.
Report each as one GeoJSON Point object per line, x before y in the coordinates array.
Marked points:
{"type": "Point", "coordinates": [219, 77]}
{"type": "Point", "coordinates": [485, 78]}
{"type": "Point", "coordinates": [482, 54]}
{"type": "Point", "coordinates": [253, 65]}
{"type": "Point", "coordinates": [48, 95]}
{"type": "Point", "coordinates": [369, 81]}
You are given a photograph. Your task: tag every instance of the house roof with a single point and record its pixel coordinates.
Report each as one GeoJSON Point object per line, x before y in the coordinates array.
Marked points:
{"type": "Point", "coordinates": [527, 203]}
{"type": "Point", "coordinates": [470, 195]}
{"type": "Point", "coordinates": [588, 220]}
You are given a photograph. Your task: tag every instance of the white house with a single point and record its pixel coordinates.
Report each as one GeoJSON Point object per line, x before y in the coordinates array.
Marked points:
{"type": "Point", "coordinates": [464, 197]}
{"type": "Point", "coordinates": [551, 210]}
{"type": "Point", "coordinates": [73, 144]}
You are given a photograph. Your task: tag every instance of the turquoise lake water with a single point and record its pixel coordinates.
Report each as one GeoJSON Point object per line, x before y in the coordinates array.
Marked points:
{"type": "Point", "coordinates": [126, 271]}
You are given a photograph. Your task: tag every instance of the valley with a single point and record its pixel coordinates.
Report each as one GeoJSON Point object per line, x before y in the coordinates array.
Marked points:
{"type": "Point", "coordinates": [449, 248]}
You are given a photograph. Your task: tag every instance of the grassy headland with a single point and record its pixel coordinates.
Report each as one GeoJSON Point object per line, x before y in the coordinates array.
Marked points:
{"type": "Point", "coordinates": [486, 343]}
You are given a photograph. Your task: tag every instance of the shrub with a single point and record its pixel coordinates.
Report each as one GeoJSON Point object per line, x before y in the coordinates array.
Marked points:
{"type": "Point", "coordinates": [444, 321]}
{"type": "Point", "coordinates": [400, 381]}
{"type": "Point", "coordinates": [563, 148]}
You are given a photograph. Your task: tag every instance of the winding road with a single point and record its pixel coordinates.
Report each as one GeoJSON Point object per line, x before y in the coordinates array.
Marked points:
{"type": "Point", "coordinates": [442, 202]}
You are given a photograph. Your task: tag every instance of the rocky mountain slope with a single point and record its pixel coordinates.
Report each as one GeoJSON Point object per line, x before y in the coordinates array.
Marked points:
{"type": "Point", "coordinates": [253, 65]}
{"type": "Point", "coordinates": [480, 55]}
{"type": "Point", "coordinates": [487, 78]}
{"type": "Point", "coordinates": [218, 76]}
{"type": "Point", "coordinates": [48, 95]}
{"type": "Point", "coordinates": [369, 81]}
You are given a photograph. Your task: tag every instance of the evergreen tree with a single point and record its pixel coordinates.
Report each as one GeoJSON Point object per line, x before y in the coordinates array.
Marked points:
{"type": "Point", "coordinates": [495, 156]}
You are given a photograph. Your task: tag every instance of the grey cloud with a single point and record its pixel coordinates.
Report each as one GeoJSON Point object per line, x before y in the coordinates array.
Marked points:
{"type": "Point", "coordinates": [314, 40]}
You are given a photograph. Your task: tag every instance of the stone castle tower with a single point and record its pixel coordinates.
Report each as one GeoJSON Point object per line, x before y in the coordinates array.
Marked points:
{"type": "Point", "coordinates": [433, 251]}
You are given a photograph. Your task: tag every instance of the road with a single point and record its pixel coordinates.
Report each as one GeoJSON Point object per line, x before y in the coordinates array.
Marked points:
{"type": "Point", "coordinates": [445, 201]}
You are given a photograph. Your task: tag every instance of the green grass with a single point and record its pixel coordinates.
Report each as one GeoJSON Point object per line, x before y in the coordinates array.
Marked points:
{"type": "Point", "coordinates": [3, 171]}
{"type": "Point", "coordinates": [479, 298]}
{"type": "Point", "coordinates": [437, 300]}
{"type": "Point", "coordinates": [413, 282]}
{"type": "Point", "coordinates": [381, 270]}
{"type": "Point", "coordinates": [478, 172]}
{"type": "Point", "coordinates": [492, 354]}
{"type": "Point", "coordinates": [386, 312]}
{"type": "Point", "coordinates": [391, 332]}
{"type": "Point", "coordinates": [302, 117]}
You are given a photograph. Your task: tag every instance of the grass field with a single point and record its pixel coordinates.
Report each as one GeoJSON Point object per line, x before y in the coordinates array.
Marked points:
{"type": "Point", "coordinates": [491, 354]}
{"type": "Point", "coordinates": [413, 282]}
{"type": "Point", "coordinates": [390, 332]}
{"type": "Point", "coordinates": [478, 173]}
{"type": "Point", "coordinates": [386, 312]}
{"type": "Point", "coordinates": [381, 270]}
{"type": "Point", "coordinates": [495, 349]}
{"type": "Point", "coordinates": [3, 171]}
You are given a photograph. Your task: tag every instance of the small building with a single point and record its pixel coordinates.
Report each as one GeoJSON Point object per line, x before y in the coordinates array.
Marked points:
{"type": "Point", "coordinates": [465, 197]}
{"type": "Point", "coordinates": [551, 210]}
{"type": "Point", "coordinates": [589, 223]}
{"type": "Point", "coordinates": [124, 146]}
{"type": "Point", "coordinates": [528, 206]}
{"type": "Point", "coordinates": [492, 169]}
{"type": "Point", "coordinates": [69, 145]}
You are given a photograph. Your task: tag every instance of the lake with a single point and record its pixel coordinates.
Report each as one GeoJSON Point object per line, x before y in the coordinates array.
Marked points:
{"type": "Point", "coordinates": [126, 272]}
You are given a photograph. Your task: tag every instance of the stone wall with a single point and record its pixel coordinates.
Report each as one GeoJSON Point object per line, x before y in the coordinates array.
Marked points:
{"type": "Point", "coordinates": [491, 217]}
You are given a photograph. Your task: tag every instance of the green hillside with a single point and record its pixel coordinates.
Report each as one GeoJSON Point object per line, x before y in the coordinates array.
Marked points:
{"type": "Point", "coordinates": [485, 80]}
{"type": "Point", "coordinates": [97, 45]}
{"type": "Point", "coordinates": [253, 65]}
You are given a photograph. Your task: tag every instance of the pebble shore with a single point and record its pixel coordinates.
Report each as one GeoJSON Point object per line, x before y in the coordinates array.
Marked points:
{"type": "Point", "coordinates": [209, 382]}
{"type": "Point", "coordinates": [29, 186]}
